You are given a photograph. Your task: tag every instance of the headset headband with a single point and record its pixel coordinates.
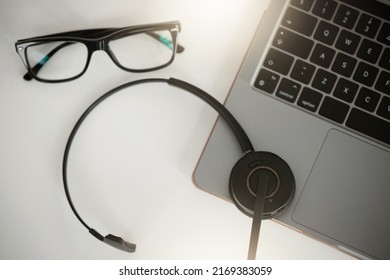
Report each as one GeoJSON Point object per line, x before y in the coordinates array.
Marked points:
{"type": "Point", "coordinates": [238, 131]}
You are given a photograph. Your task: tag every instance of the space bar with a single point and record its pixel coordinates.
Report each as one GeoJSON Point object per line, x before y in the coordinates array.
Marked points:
{"type": "Point", "coordinates": [369, 125]}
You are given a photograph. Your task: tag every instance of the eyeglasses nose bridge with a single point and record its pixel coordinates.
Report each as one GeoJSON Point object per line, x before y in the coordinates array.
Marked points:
{"type": "Point", "coordinates": [101, 46]}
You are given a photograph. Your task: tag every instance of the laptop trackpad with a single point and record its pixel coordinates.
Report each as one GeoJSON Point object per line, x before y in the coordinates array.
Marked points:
{"type": "Point", "coordinates": [347, 195]}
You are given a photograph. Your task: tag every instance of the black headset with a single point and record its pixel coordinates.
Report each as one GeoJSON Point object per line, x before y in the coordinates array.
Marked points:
{"type": "Point", "coordinates": [261, 184]}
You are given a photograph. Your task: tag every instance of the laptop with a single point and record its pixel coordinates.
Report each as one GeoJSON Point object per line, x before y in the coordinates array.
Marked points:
{"type": "Point", "coordinates": [314, 88]}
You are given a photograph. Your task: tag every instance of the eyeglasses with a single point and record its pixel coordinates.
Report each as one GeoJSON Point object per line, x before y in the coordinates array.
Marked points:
{"type": "Point", "coordinates": [65, 56]}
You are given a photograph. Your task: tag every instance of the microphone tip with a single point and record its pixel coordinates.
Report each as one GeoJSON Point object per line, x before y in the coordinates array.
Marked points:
{"type": "Point", "coordinates": [118, 243]}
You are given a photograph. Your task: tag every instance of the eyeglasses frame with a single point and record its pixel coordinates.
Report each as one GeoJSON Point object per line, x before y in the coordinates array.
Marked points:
{"type": "Point", "coordinates": [99, 39]}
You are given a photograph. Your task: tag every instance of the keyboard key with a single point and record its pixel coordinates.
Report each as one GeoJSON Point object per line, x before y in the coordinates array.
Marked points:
{"type": "Point", "coordinates": [347, 42]}
{"type": "Point", "coordinates": [288, 90]}
{"type": "Point", "coordinates": [302, 71]}
{"type": "Point", "coordinates": [278, 61]}
{"type": "Point", "coordinates": [302, 4]}
{"type": "Point", "coordinates": [326, 33]}
{"type": "Point", "coordinates": [384, 108]}
{"type": "Point", "coordinates": [384, 34]}
{"type": "Point", "coordinates": [324, 81]}
{"type": "Point", "coordinates": [293, 43]}
{"type": "Point", "coordinates": [366, 74]}
{"type": "Point", "coordinates": [368, 25]}
{"type": "Point", "coordinates": [346, 90]}
{"type": "Point", "coordinates": [385, 59]}
{"type": "Point", "coordinates": [299, 21]}
{"type": "Point", "coordinates": [367, 99]}
{"type": "Point", "coordinates": [383, 83]}
{"type": "Point", "coordinates": [309, 99]}
{"type": "Point", "coordinates": [369, 125]}
{"type": "Point", "coordinates": [322, 55]}
{"type": "Point", "coordinates": [334, 110]}
{"type": "Point", "coordinates": [325, 9]}
{"type": "Point", "coordinates": [346, 16]}
{"type": "Point", "coordinates": [344, 65]}
{"type": "Point", "coordinates": [266, 81]}
{"type": "Point", "coordinates": [369, 51]}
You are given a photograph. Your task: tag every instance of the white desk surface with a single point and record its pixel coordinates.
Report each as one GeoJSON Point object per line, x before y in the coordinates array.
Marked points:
{"type": "Point", "coordinates": [130, 169]}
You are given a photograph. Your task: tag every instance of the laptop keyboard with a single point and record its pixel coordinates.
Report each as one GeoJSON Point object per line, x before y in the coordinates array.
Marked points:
{"type": "Point", "coordinates": [332, 60]}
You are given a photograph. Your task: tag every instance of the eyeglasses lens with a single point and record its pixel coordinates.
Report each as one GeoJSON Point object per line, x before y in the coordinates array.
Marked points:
{"type": "Point", "coordinates": [143, 51]}
{"type": "Point", "coordinates": [57, 60]}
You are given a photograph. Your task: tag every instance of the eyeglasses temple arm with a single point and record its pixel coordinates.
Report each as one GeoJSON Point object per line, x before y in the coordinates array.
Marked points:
{"type": "Point", "coordinates": [168, 43]}
{"type": "Point", "coordinates": [35, 69]}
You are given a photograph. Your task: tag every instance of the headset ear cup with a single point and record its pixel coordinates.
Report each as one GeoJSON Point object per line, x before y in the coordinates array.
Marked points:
{"type": "Point", "coordinates": [280, 189]}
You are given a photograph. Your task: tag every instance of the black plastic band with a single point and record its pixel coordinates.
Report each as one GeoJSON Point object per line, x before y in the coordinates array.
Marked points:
{"type": "Point", "coordinates": [242, 137]}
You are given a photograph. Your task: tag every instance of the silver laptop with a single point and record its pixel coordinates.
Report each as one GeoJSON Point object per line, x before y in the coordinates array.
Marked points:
{"type": "Point", "coordinates": [314, 89]}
